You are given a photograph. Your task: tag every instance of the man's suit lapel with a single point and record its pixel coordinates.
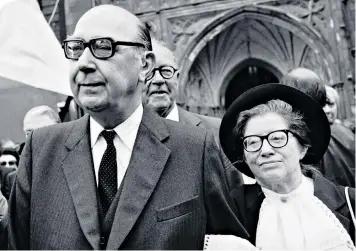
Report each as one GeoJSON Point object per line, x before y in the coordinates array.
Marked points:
{"type": "Point", "coordinates": [79, 172]}
{"type": "Point", "coordinates": [149, 157]}
{"type": "Point", "coordinates": [188, 118]}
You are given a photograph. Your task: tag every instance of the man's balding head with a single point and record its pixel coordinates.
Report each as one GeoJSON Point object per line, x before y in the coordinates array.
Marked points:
{"type": "Point", "coordinates": [39, 116]}
{"type": "Point", "coordinates": [306, 81]}
{"type": "Point", "coordinates": [116, 18]}
{"type": "Point", "coordinates": [164, 56]}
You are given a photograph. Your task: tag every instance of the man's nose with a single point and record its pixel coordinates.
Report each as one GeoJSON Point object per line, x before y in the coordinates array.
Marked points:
{"type": "Point", "coordinates": [86, 61]}
{"type": "Point", "coordinates": [158, 79]}
{"type": "Point", "coordinates": [266, 149]}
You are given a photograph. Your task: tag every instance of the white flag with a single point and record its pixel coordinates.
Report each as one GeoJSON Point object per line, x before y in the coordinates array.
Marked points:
{"type": "Point", "coordinates": [29, 50]}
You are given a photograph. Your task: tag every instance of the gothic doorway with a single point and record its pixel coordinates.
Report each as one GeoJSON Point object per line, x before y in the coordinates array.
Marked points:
{"type": "Point", "coordinates": [258, 44]}
{"type": "Point", "coordinates": [247, 75]}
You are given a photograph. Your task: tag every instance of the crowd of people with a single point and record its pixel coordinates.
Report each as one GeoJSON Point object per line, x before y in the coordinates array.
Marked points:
{"type": "Point", "coordinates": [137, 171]}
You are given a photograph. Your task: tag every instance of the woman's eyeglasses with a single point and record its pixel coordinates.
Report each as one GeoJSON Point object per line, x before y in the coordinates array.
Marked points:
{"type": "Point", "coordinates": [276, 139]}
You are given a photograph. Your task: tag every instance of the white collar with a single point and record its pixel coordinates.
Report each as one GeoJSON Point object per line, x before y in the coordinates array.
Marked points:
{"type": "Point", "coordinates": [173, 114]}
{"type": "Point", "coordinates": [126, 131]}
{"type": "Point", "coordinates": [305, 188]}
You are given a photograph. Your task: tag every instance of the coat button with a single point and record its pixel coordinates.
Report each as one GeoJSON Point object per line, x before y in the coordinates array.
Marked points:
{"type": "Point", "coordinates": [284, 199]}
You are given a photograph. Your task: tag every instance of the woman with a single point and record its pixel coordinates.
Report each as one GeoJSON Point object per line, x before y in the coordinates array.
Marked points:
{"type": "Point", "coordinates": [273, 133]}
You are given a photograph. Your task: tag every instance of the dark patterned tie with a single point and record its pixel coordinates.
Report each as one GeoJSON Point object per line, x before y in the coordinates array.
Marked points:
{"type": "Point", "coordinates": [108, 172]}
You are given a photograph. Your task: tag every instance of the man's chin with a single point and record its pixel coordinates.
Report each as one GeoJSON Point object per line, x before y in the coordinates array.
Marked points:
{"type": "Point", "coordinates": [162, 108]}
{"type": "Point", "coordinates": [92, 105]}
{"type": "Point", "coordinates": [158, 104]}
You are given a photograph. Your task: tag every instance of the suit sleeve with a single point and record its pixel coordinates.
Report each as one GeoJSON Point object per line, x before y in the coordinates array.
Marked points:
{"type": "Point", "coordinates": [9, 183]}
{"type": "Point", "coordinates": [19, 202]}
{"type": "Point", "coordinates": [233, 176]}
{"type": "Point", "coordinates": [221, 211]}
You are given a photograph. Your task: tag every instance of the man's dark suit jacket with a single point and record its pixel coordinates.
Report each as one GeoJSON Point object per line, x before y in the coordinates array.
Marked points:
{"type": "Point", "coordinates": [211, 124]}
{"type": "Point", "coordinates": [4, 171]}
{"type": "Point", "coordinates": [249, 199]}
{"type": "Point", "coordinates": [338, 163]}
{"type": "Point", "coordinates": [174, 191]}
{"type": "Point", "coordinates": [10, 179]}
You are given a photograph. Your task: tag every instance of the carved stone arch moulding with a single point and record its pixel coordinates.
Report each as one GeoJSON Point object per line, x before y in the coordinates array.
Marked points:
{"type": "Point", "coordinates": [267, 14]}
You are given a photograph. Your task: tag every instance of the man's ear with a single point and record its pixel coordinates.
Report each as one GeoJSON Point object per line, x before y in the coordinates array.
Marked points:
{"type": "Point", "coordinates": [148, 62]}
{"type": "Point", "coordinates": [303, 151]}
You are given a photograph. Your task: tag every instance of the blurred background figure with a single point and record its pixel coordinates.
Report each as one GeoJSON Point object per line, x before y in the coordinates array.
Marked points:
{"type": "Point", "coordinates": [9, 159]}
{"type": "Point", "coordinates": [39, 116]}
{"type": "Point", "coordinates": [330, 108]}
{"type": "Point", "coordinates": [7, 143]}
{"type": "Point", "coordinates": [338, 163]}
{"type": "Point", "coordinates": [308, 82]}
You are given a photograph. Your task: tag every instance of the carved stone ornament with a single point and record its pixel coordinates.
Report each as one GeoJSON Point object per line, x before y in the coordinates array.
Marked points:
{"type": "Point", "coordinates": [312, 11]}
{"type": "Point", "coordinates": [311, 60]}
{"type": "Point", "coordinates": [197, 90]}
{"type": "Point", "coordinates": [177, 3]}
{"type": "Point", "coordinates": [142, 6]}
{"type": "Point", "coordinates": [183, 28]}
{"type": "Point", "coordinates": [122, 3]}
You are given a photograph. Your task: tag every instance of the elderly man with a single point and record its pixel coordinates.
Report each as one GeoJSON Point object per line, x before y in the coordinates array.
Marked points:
{"type": "Point", "coordinates": [120, 177]}
{"type": "Point", "coordinates": [338, 163]}
{"type": "Point", "coordinates": [160, 95]}
{"type": "Point", "coordinates": [39, 116]}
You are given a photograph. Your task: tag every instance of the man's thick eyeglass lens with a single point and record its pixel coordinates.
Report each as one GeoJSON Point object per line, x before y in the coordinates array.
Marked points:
{"type": "Point", "coordinates": [101, 48]}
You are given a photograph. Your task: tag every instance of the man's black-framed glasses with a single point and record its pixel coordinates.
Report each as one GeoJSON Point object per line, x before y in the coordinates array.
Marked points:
{"type": "Point", "coordinates": [101, 48]}
{"type": "Point", "coordinates": [166, 72]}
{"type": "Point", "coordinates": [276, 139]}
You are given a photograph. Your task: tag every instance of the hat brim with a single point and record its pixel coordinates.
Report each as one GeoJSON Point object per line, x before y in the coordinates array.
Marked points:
{"type": "Point", "coordinates": [314, 115]}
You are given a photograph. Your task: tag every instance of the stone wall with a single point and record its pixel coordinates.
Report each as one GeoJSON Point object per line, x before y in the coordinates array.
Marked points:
{"type": "Point", "coordinates": [325, 28]}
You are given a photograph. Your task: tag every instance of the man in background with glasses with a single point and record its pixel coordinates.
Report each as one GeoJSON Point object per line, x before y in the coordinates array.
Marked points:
{"type": "Point", "coordinates": [120, 177]}
{"type": "Point", "coordinates": [160, 94]}
{"type": "Point", "coordinates": [9, 159]}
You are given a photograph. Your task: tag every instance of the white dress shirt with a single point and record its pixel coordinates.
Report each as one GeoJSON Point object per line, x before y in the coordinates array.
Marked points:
{"type": "Point", "coordinates": [173, 114]}
{"type": "Point", "coordinates": [124, 142]}
{"type": "Point", "coordinates": [299, 220]}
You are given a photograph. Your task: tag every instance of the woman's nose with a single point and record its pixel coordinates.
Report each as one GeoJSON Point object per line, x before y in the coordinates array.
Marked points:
{"type": "Point", "coordinates": [266, 148]}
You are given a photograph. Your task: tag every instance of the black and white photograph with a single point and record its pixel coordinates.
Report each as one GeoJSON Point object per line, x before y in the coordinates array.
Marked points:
{"type": "Point", "coordinates": [177, 125]}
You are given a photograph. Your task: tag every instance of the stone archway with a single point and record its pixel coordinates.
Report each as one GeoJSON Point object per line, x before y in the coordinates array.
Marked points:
{"type": "Point", "coordinates": [259, 32]}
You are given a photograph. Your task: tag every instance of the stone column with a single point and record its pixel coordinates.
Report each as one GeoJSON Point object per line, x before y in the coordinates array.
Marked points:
{"type": "Point", "coordinates": [344, 57]}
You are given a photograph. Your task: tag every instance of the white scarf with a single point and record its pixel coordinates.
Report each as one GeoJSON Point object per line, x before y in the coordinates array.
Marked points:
{"type": "Point", "coordinates": [299, 220]}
